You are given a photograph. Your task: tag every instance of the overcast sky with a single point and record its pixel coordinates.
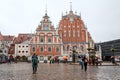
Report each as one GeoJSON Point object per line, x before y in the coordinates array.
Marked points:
{"type": "Point", "coordinates": [102, 17]}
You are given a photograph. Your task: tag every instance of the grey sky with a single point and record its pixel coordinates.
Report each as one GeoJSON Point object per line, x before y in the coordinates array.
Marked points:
{"type": "Point", "coordinates": [102, 17]}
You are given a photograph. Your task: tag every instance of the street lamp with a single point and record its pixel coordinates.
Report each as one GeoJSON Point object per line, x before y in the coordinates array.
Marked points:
{"type": "Point", "coordinates": [89, 52]}
{"type": "Point", "coordinates": [73, 56]}
{"type": "Point", "coordinates": [113, 50]}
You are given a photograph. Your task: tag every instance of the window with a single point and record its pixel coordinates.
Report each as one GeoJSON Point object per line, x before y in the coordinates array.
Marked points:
{"type": "Point", "coordinates": [45, 27]}
{"type": "Point", "coordinates": [19, 46]}
{"type": "Point", "coordinates": [22, 51]}
{"type": "Point", "coordinates": [26, 46]}
{"type": "Point", "coordinates": [73, 26]}
{"type": "Point", "coordinates": [49, 49]}
{"type": "Point", "coordinates": [57, 49]}
{"type": "Point", "coordinates": [41, 40]}
{"type": "Point", "coordinates": [64, 33]}
{"type": "Point", "coordinates": [49, 40]}
{"type": "Point", "coordinates": [22, 46]}
{"type": "Point", "coordinates": [19, 51]}
{"type": "Point", "coordinates": [69, 34]}
{"type": "Point", "coordinates": [74, 33]}
{"type": "Point", "coordinates": [71, 19]}
{"type": "Point", "coordinates": [41, 49]}
{"type": "Point", "coordinates": [33, 49]}
{"type": "Point", "coordinates": [78, 33]}
{"type": "Point", "coordinates": [26, 51]}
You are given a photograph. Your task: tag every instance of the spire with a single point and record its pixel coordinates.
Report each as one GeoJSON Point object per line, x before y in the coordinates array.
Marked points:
{"type": "Point", "coordinates": [80, 15]}
{"type": "Point", "coordinates": [46, 16]}
{"type": "Point", "coordinates": [70, 6]}
{"type": "Point", "coordinates": [70, 12]}
{"type": "Point", "coordinates": [46, 9]}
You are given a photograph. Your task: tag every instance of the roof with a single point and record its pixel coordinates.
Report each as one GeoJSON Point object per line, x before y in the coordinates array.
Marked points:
{"type": "Point", "coordinates": [21, 38]}
{"type": "Point", "coordinates": [8, 38]}
{"type": "Point", "coordinates": [71, 14]}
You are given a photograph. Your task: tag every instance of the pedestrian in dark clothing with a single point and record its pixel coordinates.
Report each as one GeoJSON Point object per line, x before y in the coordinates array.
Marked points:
{"type": "Point", "coordinates": [34, 63]}
{"type": "Point", "coordinates": [85, 63]}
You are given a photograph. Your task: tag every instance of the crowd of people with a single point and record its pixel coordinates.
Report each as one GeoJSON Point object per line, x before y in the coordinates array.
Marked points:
{"type": "Point", "coordinates": [83, 61]}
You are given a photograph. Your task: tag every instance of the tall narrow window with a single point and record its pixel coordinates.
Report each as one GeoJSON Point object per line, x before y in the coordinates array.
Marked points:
{"type": "Point", "coordinates": [78, 33]}
{"type": "Point", "coordinates": [57, 49]}
{"type": "Point", "coordinates": [41, 40]}
{"type": "Point", "coordinates": [33, 49]}
{"type": "Point", "coordinates": [49, 49]}
{"type": "Point", "coordinates": [49, 40]}
{"type": "Point", "coordinates": [74, 33]}
{"type": "Point", "coordinates": [64, 33]}
{"type": "Point", "coordinates": [69, 34]}
{"type": "Point", "coordinates": [41, 49]}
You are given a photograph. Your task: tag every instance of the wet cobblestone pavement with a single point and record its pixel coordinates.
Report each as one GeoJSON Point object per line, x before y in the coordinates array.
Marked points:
{"type": "Point", "coordinates": [23, 71]}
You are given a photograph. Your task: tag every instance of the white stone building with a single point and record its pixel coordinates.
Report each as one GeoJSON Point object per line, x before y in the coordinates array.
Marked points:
{"type": "Point", "coordinates": [22, 49]}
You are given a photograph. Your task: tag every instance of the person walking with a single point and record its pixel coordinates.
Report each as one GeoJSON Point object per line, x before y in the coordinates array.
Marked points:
{"type": "Point", "coordinates": [34, 63]}
{"type": "Point", "coordinates": [81, 62]}
{"type": "Point", "coordinates": [85, 63]}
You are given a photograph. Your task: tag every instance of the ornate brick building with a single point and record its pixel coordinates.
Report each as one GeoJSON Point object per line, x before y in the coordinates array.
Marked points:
{"type": "Point", "coordinates": [74, 33]}
{"type": "Point", "coordinates": [46, 42]}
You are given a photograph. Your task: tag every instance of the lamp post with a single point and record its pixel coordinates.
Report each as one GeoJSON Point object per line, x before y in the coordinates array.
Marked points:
{"type": "Point", "coordinates": [73, 56]}
{"type": "Point", "coordinates": [89, 52]}
{"type": "Point", "coordinates": [113, 50]}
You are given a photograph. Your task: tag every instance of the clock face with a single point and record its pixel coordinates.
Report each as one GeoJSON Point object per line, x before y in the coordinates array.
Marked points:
{"type": "Point", "coordinates": [71, 19]}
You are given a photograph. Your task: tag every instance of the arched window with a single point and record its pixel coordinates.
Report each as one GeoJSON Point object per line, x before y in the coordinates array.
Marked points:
{"type": "Point", "coordinates": [41, 49]}
{"type": "Point", "coordinates": [49, 40]}
{"type": "Point", "coordinates": [78, 33]}
{"type": "Point", "coordinates": [69, 34]}
{"type": "Point", "coordinates": [57, 49]}
{"type": "Point", "coordinates": [49, 49]}
{"type": "Point", "coordinates": [41, 40]}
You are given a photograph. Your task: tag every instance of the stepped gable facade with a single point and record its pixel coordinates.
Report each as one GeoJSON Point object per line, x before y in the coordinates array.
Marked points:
{"type": "Point", "coordinates": [46, 42]}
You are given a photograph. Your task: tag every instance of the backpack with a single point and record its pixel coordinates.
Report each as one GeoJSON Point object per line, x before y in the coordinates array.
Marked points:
{"type": "Point", "coordinates": [35, 61]}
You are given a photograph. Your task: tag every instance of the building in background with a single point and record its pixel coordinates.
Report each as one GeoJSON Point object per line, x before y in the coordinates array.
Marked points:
{"type": "Point", "coordinates": [22, 47]}
{"type": "Point", "coordinates": [70, 35]}
{"type": "Point", "coordinates": [5, 43]}
{"type": "Point", "coordinates": [106, 47]}
{"type": "Point", "coordinates": [74, 34]}
{"type": "Point", "coordinates": [46, 42]}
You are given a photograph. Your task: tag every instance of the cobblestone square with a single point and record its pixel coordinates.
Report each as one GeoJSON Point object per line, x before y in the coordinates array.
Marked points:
{"type": "Point", "coordinates": [23, 71]}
